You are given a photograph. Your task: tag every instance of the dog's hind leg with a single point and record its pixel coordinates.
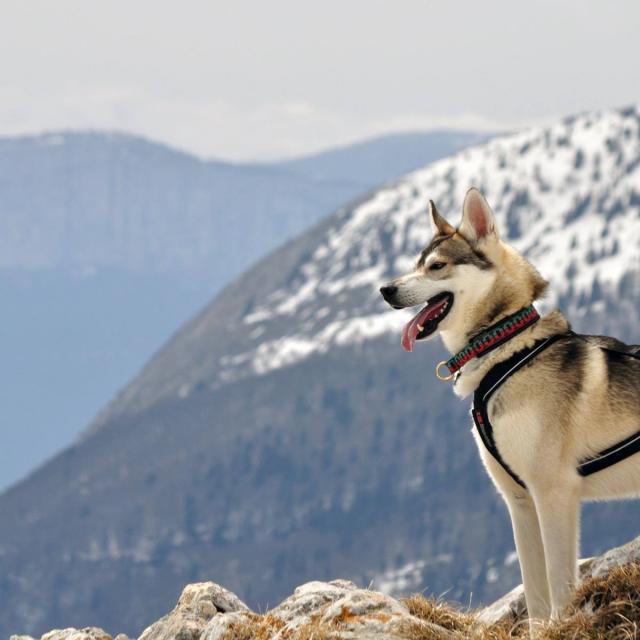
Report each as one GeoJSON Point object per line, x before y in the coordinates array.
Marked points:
{"type": "Point", "coordinates": [558, 508]}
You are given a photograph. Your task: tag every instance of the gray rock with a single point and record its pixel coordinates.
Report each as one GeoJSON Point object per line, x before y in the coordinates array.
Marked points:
{"type": "Point", "coordinates": [309, 599]}
{"type": "Point", "coordinates": [219, 625]}
{"type": "Point", "coordinates": [197, 605]}
{"type": "Point", "coordinates": [350, 612]}
{"type": "Point", "coordinates": [513, 604]}
{"type": "Point", "coordinates": [88, 633]}
{"type": "Point", "coordinates": [510, 605]}
{"type": "Point", "coordinates": [615, 557]}
{"type": "Point", "coordinates": [355, 614]}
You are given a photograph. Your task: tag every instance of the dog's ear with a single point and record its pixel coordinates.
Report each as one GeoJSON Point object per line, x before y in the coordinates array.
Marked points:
{"type": "Point", "coordinates": [439, 225]}
{"type": "Point", "coordinates": [478, 222]}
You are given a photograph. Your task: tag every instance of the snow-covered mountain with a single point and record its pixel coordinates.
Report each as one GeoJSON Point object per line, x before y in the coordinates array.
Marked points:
{"type": "Point", "coordinates": [568, 197]}
{"type": "Point", "coordinates": [283, 435]}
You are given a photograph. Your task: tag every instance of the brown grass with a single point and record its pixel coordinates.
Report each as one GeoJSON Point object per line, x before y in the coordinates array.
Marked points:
{"type": "Point", "coordinates": [254, 627]}
{"type": "Point", "coordinates": [440, 613]}
{"type": "Point", "coordinates": [605, 608]}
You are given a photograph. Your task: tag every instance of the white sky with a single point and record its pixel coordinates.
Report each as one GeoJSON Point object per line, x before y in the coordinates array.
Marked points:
{"type": "Point", "coordinates": [272, 78]}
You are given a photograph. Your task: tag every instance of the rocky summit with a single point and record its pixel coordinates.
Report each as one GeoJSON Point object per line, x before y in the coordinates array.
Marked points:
{"type": "Point", "coordinates": [339, 610]}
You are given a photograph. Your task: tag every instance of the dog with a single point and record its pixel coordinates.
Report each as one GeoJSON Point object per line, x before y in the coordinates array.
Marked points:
{"type": "Point", "coordinates": [577, 397]}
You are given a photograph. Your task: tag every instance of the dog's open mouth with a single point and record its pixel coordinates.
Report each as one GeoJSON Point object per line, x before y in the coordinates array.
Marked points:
{"type": "Point", "coordinates": [426, 321]}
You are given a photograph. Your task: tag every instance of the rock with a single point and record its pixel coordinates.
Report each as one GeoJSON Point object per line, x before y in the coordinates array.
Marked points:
{"type": "Point", "coordinates": [352, 612]}
{"type": "Point", "coordinates": [14, 637]}
{"type": "Point", "coordinates": [197, 605]}
{"type": "Point", "coordinates": [513, 604]}
{"type": "Point", "coordinates": [221, 624]}
{"type": "Point", "coordinates": [121, 636]}
{"type": "Point", "coordinates": [615, 557]}
{"type": "Point", "coordinates": [368, 613]}
{"type": "Point", "coordinates": [309, 599]}
{"type": "Point", "coordinates": [88, 633]}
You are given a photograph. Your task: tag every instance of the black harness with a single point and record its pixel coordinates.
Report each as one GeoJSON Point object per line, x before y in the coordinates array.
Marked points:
{"type": "Point", "coordinates": [501, 372]}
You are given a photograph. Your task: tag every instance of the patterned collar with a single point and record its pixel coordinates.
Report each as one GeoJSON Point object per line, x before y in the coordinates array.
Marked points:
{"type": "Point", "coordinates": [489, 339]}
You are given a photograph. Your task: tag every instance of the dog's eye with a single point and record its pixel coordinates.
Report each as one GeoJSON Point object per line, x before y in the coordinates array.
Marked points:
{"type": "Point", "coordinates": [436, 266]}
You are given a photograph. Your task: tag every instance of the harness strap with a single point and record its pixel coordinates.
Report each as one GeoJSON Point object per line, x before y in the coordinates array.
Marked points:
{"type": "Point", "coordinates": [498, 374]}
{"type": "Point", "coordinates": [621, 450]}
{"type": "Point", "coordinates": [610, 456]}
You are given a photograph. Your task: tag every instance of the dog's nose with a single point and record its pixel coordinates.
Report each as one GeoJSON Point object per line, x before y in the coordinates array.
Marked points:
{"type": "Point", "coordinates": [388, 291]}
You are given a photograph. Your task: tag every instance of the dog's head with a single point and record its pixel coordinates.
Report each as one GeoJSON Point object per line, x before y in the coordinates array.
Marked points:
{"type": "Point", "coordinates": [466, 276]}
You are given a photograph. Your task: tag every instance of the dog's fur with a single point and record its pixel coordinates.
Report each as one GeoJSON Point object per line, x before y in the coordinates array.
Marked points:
{"type": "Point", "coordinates": [569, 403]}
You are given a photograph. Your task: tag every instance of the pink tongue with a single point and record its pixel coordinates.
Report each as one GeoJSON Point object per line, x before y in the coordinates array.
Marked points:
{"type": "Point", "coordinates": [410, 331]}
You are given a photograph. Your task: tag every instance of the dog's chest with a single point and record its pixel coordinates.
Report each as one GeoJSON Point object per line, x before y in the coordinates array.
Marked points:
{"type": "Point", "coordinates": [515, 431]}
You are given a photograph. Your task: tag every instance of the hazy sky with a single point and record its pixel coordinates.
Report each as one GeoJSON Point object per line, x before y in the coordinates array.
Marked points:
{"type": "Point", "coordinates": [271, 78]}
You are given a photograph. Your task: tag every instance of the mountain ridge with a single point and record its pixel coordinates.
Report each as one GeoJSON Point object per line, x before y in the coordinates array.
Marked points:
{"type": "Point", "coordinates": [594, 263]}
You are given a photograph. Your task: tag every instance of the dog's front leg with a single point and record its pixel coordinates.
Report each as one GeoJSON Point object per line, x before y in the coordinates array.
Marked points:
{"type": "Point", "coordinates": [528, 539]}
{"type": "Point", "coordinates": [558, 505]}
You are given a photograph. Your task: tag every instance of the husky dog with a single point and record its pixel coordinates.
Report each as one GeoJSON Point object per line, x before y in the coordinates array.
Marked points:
{"type": "Point", "coordinates": [576, 398]}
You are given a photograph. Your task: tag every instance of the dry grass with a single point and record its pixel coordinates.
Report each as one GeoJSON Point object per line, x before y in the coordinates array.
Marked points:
{"type": "Point", "coordinates": [606, 608]}
{"type": "Point", "coordinates": [440, 613]}
{"type": "Point", "coordinates": [254, 627]}
{"type": "Point", "coordinates": [265, 627]}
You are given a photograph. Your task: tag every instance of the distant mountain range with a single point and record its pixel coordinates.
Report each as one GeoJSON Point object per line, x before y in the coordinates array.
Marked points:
{"type": "Point", "coordinates": [283, 435]}
{"type": "Point", "coordinates": [109, 242]}
{"type": "Point", "coordinates": [374, 162]}
{"type": "Point", "coordinates": [86, 201]}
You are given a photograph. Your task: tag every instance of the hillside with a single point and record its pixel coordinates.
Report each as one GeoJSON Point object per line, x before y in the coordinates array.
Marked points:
{"type": "Point", "coordinates": [283, 435]}
{"type": "Point", "coordinates": [109, 242]}
{"type": "Point", "coordinates": [84, 201]}
{"type": "Point", "coordinates": [93, 200]}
